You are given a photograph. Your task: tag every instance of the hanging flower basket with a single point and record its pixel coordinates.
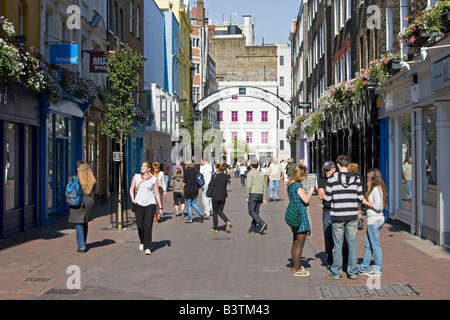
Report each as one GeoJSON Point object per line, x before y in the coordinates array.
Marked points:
{"type": "Point", "coordinates": [394, 66]}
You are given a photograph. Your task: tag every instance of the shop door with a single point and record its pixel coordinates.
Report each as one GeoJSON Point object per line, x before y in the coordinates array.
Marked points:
{"type": "Point", "coordinates": [61, 175]}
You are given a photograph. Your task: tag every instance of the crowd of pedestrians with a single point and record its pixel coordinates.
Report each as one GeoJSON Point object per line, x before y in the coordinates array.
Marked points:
{"type": "Point", "coordinates": [340, 188]}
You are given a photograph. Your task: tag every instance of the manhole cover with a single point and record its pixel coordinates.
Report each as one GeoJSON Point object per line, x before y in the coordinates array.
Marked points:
{"type": "Point", "coordinates": [399, 290]}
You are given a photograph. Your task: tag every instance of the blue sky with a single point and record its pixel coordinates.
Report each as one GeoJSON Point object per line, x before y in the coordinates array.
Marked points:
{"type": "Point", "coordinates": [273, 18]}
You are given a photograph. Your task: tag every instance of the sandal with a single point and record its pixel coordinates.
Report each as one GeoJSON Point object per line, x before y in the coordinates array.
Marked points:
{"type": "Point", "coordinates": [300, 273]}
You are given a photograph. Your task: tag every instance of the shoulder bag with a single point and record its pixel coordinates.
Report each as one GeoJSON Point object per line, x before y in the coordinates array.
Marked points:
{"type": "Point", "coordinates": [133, 206]}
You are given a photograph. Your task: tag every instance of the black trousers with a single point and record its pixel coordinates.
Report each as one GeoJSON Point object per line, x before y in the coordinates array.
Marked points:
{"type": "Point", "coordinates": [144, 223]}
{"type": "Point", "coordinates": [218, 203]}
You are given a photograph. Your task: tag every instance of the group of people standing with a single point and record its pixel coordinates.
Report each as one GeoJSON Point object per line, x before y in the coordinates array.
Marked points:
{"type": "Point", "coordinates": [342, 195]}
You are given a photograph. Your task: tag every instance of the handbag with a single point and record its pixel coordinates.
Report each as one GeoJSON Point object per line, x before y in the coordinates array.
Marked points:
{"type": "Point", "coordinates": [211, 185]}
{"type": "Point", "coordinates": [292, 216]}
{"type": "Point", "coordinates": [133, 206]}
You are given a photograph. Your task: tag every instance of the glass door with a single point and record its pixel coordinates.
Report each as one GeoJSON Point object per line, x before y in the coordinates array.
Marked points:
{"type": "Point", "coordinates": [61, 175]}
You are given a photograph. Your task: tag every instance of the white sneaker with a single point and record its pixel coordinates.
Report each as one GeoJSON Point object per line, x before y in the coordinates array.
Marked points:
{"type": "Point", "coordinates": [148, 252]}
{"type": "Point", "coordinates": [141, 247]}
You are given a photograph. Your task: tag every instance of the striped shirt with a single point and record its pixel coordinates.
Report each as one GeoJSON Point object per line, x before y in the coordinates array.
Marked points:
{"type": "Point", "coordinates": [345, 192]}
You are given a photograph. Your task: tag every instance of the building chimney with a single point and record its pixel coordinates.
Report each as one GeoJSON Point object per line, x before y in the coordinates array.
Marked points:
{"type": "Point", "coordinates": [200, 13]}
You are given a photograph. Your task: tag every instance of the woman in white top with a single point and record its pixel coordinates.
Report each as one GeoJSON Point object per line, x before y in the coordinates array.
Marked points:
{"type": "Point", "coordinates": [376, 201]}
{"type": "Point", "coordinates": [162, 186]}
{"type": "Point", "coordinates": [144, 193]}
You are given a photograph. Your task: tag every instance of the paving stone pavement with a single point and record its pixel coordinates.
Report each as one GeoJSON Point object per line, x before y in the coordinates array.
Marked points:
{"type": "Point", "coordinates": [188, 262]}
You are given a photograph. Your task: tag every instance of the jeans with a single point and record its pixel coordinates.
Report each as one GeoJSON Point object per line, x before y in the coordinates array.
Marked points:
{"type": "Point", "coordinates": [254, 202]}
{"type": "Point", "coordinates": [328, 236]}
{"type": "Point", "coordinates": [274, 185]}
{"type": "Point", "coordinates": [190, 203]}
{"type": "Point", "coordinates": [243, 176]}
{"type": "Point", "coordinates": [207, 202]}
{"type": "Point", "coordinates": [372, 246]}
{"type": "Point", "coordinates": [409, 190]}
{"type": "Point", "coordinates": [166, 181]}
{"type": "Point", "coordinates": [81, 231]}
{"type": "Point", "coordinates": [347, 230]}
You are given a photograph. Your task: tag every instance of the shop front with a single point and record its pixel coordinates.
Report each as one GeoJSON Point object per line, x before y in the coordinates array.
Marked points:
{"type": "Point", "coordinates": [61, 142]}
{"type": "Point", "coordinates": [418, 108]}
{"type": "Point", "coordinates": [19, 150]}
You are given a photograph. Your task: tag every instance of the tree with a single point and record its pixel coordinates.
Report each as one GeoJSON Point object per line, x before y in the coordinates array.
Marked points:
{"type": "Point", "coordinates": [124, 66]}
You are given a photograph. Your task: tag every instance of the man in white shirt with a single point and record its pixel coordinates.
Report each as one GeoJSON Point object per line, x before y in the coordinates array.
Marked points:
{"type": "Point", "coordinates": [206, 170]}
{"type": "Point", "coordinates": [274, 175]}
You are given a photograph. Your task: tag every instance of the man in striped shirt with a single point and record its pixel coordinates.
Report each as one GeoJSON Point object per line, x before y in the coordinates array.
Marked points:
{"type": "Point", "coordinates": [345, 192]}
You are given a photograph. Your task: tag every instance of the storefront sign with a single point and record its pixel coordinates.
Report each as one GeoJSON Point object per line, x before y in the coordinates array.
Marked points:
{"type": "Point", "coordinates": [398, 98]}
{"type": "Point", "coordinates": [440, 75]}
{"type": "Point", "coordinates": [98, 62]}
{"type": "Point", "coordinates": [64, 53]}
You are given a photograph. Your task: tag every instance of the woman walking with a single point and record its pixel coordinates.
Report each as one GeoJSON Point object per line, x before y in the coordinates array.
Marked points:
{"type": "Point", "coordinates": [376, 200]}
{"type": "Point", "coordinates": [189, 189]}
{"type": "Point", "coordinates": [219, 196]}
{"type": "Point", "coordinates": [175, 181]}
{"type": "Point", "coordinates": [144, 193]}
{"type": "Point", "coordinates": [298, 198]}
{"type": "Point", "coordinates": [82, 215]}
{"type": "Point", "coordinates": [162, 187]}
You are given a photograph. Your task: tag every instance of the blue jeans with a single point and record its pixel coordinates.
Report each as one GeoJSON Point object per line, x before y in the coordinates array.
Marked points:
{"type": "Point", "coordinates": [243, 176]}
{"type": "Point", "coordinates": [274, 185]}
{"type": "Point", "coordinates": [81, 231]}
{"type": "Point", "coordinates": [409, 190]}
{"type": "Point", "coordinates": [372, 245]}
{"type": "Point", "coordinates": [190, 203]}
{"type": "Point", "coordinates": [347, 230]}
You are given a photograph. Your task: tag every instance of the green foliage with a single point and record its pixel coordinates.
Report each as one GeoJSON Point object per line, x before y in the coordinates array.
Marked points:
{"type": "Point", "coordinates": [124, 65]}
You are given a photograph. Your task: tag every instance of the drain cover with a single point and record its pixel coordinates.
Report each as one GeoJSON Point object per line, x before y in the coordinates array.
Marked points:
{"type": "Point", "coordinates": [399, 290]}
{"type": "Point", "coordinates": [37, 280]}
{"type": "Point", "coordinates": [62, 291]}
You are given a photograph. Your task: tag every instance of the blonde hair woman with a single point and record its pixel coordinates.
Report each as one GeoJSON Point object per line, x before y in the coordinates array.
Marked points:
{"type": "Point", "coordinates": [297, 198]}
{"type": "Point", "coordinates": [82, 215]}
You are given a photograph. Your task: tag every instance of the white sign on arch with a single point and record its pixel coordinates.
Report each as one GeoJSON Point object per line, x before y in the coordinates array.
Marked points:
{"type": "Point", "coordinates": [251, 92]}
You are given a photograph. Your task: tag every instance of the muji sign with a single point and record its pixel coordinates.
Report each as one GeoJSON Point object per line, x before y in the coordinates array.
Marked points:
{"type": "Point", "coordinates": [98, 62]}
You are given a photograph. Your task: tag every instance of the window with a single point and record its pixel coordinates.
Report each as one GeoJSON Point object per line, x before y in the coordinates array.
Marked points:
{"type": "Point", "coordinates": [336, 17]}
{"type": "Point", "coordinates": [430, 146]}
{"type": "Point", "coordinates": [281, 60]}
{"type": "Point", "coordinates": [281, 124]}
{"type": "Point", "coordinates": [341, 13]}
{"type": "Point", "coordinates": [219, 116]}
{"type": "Point", "coordinates": [234, 116]}
{"type": "Point", "coordinates": [349, 10]}
{"type": "Point", "coordinates": [249, 137]}
{"type": "Point", "coordinates": [249, 116]}
{"type": "Point", "coordinates": [349, 64]}
{"type": "Point", "coordinates": [131, 16]}
{"type": "Point", "coordinates": [234, 136]}
{"type": "Point", "coordinates": [281, 81]}
{"type": "Point", "coordinates": [281, 144]}
{"type": "Point", "coordinates": [265, 116]}
{"type": "Point", "coordinates": [336, 72]}
{"type": "Point", "coordinates": [138, 22]}
{"type": "Point", "coordinates": [265, 138]}
{"type": "Point", "coordinates": [406, 188]}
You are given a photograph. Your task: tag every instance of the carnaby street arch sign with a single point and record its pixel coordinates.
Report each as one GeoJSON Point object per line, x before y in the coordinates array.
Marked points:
{"type": "Point", "coordinates": [252, 92]}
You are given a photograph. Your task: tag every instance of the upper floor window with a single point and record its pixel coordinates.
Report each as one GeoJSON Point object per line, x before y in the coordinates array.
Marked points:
{"type": "Point", "coordinates": [249, 116]}
{"type": "Point", "coordinates": [234, 116]}
{"type": "Point", "coordinates": [265, 116]}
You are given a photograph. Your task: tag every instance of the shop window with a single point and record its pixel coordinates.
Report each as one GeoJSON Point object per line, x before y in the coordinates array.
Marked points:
{"type": "Point", "coordinates": [406, 186]}
{"type": "Point", "coordinates": [12, 166]}
{"type": "Point", "coordinates": [429, 171]}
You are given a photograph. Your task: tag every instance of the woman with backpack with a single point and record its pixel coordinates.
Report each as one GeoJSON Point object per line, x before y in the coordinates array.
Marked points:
{"type": "Point", "coordinates": [144, 193]}
{"type": "Point", "coordinates": [219, 195]}
{"type": "Point", "coordinates": [81, 215]}
{"type": "Point", "coordinates": [189, 189]}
